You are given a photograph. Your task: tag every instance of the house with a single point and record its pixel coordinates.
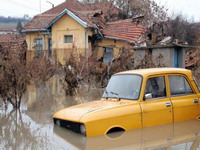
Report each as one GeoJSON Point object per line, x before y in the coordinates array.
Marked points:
{"type": "Point", "coordinates": [74, 27]}
{"type": "Point", "coordinates": [86, 29]}
{"type": "Point", "coordinates": [7, 30]}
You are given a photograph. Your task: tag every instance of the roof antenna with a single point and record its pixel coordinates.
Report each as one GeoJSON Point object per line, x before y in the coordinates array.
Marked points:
{"type": "Point", "coordinates": [50, 3]}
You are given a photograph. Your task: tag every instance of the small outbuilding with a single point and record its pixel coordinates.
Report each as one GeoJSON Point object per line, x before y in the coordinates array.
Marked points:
{"type": "Point", "coordinates": [168, 55]}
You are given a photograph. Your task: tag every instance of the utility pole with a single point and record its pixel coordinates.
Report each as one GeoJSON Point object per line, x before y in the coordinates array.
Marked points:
{"type": "Point", "coordinates": [40, 5]}
{"type": "Point", "coordinates": [50, 3]}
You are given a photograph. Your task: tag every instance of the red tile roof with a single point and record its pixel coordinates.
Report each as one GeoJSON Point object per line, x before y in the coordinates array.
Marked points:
{"type": "Point", "coordinates": [106, 7]}
{"type": "Point", "coordinates": [39, 22]}
{"type": "Point", "coordinates": [70, 5]}
{"type": "Point", "coordinates": [5, 38]}
{"type": "Point", "coordinates": [6, 29]}
{"type": "Point", "coordinates": [86, 16]}
{"type": "Point", "coordinates": [92, 18]}
{"type": "Point", "coordinates": [80, 9]}
{"type": "Point", "coordinates": [126, 30]}
{"type": "Point", "coordinates": [75, 5]}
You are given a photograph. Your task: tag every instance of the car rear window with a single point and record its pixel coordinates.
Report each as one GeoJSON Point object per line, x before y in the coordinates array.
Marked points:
{"type": "Point", "coordinates": [179, 85]}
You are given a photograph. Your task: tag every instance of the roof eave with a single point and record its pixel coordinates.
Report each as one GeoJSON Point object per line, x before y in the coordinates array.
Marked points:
{"type": "Point", "coordinates": [117, 39]}
{"type": "Point", "coordinates": [27, 31]}
{"type": "Point", "coordinates": [84, 24]}
{"type": "Point", "coordinates": [171, 45]}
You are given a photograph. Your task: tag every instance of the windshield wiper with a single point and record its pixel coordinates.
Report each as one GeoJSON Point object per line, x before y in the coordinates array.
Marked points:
{"type": "Point", "coordinates": [113, 93]}
{"type": "Point", "coordinates": [117, 95]}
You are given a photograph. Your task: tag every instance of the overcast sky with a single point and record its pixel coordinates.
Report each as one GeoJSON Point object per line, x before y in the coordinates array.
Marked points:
{"type": "Point", "coordinates": [18, 8]}
{"type": "Point", "coordinates": [189, 8]}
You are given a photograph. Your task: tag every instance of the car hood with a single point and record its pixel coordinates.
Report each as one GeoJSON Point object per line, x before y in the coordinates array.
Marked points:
{"type": "Point", "coordinates": [75, 113]}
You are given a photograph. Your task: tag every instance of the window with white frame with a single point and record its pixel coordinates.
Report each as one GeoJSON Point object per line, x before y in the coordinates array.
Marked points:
{"type": "Point", "coordinates": [38, 47]}
{"type": "Point", "coordinates": [38, 44]}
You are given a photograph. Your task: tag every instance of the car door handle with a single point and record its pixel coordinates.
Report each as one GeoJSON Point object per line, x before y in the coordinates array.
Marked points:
{"type": "Point", "coordinates": [168, 104]}
{"type": "Point", "coordinates": [196, 101]}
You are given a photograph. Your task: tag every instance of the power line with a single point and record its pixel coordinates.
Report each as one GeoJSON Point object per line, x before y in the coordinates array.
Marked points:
{"type": "Point", "coordinates": [39, 3]}
{"type": "Point", "coordinates": [8, 11]}
{"type": "Point", "coordinates": [22, 4]}
{"type": "Point", "coordinates": [16, 3]}
{"type": "Point", "coordinates": [30, 3]}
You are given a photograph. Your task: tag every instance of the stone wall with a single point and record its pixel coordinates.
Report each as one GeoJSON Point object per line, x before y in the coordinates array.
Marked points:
{"type": "Point", "coordinates": [163, 56]}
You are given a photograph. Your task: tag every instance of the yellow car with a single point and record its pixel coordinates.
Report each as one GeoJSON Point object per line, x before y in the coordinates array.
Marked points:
{"type": "Point", "coordinates": [136, 99]}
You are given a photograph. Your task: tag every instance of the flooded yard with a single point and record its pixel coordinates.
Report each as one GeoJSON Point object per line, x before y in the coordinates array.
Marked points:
{"type": "Point", "coordinates": [32, 127]}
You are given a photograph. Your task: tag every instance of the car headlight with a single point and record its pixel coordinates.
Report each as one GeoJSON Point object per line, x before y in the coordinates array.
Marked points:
{"type": "Point", "coordinates": [83, 129]}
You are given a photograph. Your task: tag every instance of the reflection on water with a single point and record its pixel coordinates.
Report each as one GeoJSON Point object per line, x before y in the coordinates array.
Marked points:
{"type": "Point", "coordinates": [33, 128]}
{"type": "Point", "coordinates": [178, 136]}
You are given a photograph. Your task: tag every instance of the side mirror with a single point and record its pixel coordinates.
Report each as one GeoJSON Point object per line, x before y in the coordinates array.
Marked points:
{"type": "Point", "coordinates": [148, 96]}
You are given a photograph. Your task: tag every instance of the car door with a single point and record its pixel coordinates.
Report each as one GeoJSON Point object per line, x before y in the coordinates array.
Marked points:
{"type": "Point", "coordinates": [156, 106]}
{"type": "Point", "coordinates": [197, 87]}
{"type": "Point", "coordinates": [183, 97]}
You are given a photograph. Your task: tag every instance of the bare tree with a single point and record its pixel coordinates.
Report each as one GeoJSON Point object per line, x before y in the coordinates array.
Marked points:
{"type": "Point", "coordinates": [14, 79]}
{"type": "Point", "coordinates": [16, 74]}
{"type": "Point", "coordinates": [41, 69]}
{"type": "Point", "coordinates": [180, 28]}
{"type": "Point", "coordinates": [134, 8]}
{"type": "Point", "coordinates": [87, 71]}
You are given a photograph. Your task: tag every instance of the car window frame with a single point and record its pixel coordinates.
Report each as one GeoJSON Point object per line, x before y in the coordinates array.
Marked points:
{"type": "Point", "coordinates": [196, 83]}
{"type": "Point", "coordinates": [185, 76]}
{"type": "Point", "coordinates": [157, 98]}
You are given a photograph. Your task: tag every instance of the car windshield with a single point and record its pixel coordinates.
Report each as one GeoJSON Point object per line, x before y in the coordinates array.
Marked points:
{"type": "Point", "coordinates": [126, 86]}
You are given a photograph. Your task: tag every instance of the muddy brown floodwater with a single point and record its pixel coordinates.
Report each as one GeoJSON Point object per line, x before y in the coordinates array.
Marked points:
{"type": "Point", "coordinates": [32, 127]}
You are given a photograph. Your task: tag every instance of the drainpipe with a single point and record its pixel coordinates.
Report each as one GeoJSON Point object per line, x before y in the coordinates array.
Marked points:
{"type": "Point", "coordinates": [86, 43]}
{"type": "Point", "coordinates": [49, 32]}
{"type": "Point", "coordinates": [44, 43]}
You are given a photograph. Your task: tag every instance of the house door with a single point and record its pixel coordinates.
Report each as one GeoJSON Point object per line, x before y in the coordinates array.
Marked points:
{"type": "Point", "coordinates": [50, 47]}
{"type": "Point", "coordinates": [184, 99]}
{"type": "Point", "coordinates": [156, 106]}
{"type": "Point", "coordinates": [108, 55]}
{"type": "Point", "coordinates": [176, 58]}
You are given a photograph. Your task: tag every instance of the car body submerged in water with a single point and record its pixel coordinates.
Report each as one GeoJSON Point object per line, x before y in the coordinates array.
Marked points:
{"type": "Point", "coordinates": [135, 99]}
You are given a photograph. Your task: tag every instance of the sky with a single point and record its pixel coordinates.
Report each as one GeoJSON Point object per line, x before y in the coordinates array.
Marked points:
{"type": "Point", "coordinates": [17, 8]}
{"type": "Point", "coordinates": [188, 8]}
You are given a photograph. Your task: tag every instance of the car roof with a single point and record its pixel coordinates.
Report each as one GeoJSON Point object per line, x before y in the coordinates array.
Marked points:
{"type": "Point", "coordinates": [156, 71]}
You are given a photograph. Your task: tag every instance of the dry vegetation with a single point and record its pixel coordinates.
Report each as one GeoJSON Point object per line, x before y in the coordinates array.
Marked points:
{"type": "Point", "coordinates": [193, 62]}
{"type": "Point", "coordinates": [87, 71]}
{"type": "Point", "coordinates": [15, 74]}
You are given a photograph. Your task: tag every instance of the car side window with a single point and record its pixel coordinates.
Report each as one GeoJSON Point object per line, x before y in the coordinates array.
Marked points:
{"type": "Point", "coordinates": [155, 87]}
{"type": "Point", "coordinates": [179, 85]}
